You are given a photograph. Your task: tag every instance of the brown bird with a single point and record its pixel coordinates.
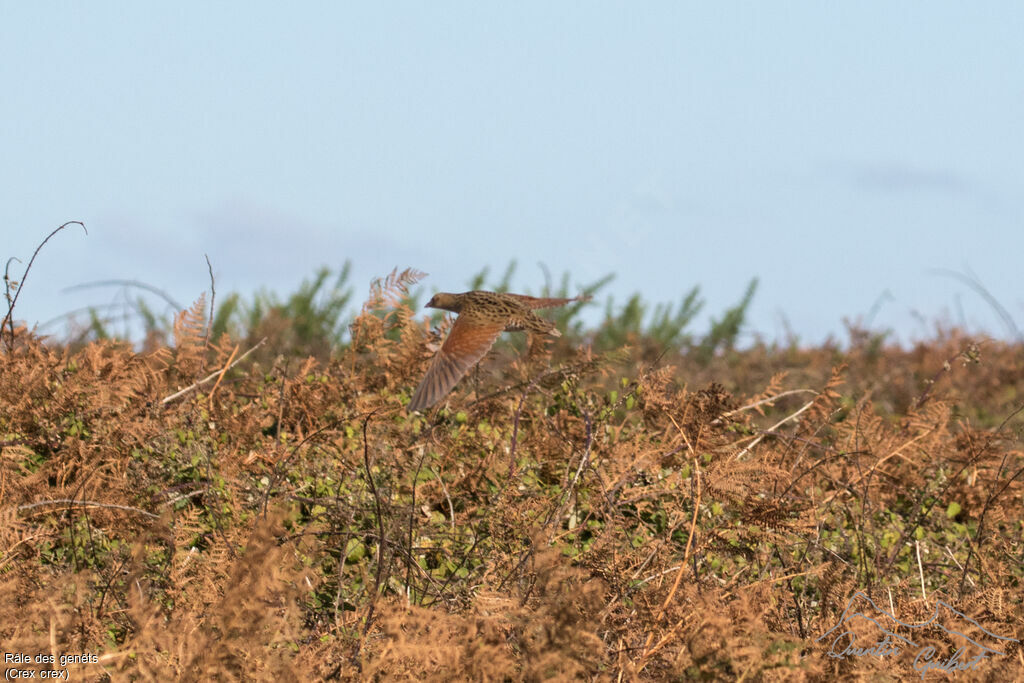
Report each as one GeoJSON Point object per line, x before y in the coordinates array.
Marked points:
{"type": "Point", "coordinates": [482, 317]}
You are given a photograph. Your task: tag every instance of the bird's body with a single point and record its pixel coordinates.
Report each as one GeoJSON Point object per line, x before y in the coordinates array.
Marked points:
{"type": "Point", "coordinates": [482, 317]}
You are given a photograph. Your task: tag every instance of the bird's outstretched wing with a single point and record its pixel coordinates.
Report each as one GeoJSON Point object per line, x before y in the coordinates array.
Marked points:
{"type": "Point", "coordinates": [538, 302]}
{"type": "Point", "coordinates": [466, 344]}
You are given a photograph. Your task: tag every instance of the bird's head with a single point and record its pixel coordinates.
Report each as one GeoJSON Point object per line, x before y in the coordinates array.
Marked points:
{"type": "Point", "coordinates": [449, 302]}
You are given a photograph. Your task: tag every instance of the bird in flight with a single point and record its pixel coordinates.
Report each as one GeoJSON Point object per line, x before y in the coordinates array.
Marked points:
{"type": "Point", "coordinates": [482, 317]}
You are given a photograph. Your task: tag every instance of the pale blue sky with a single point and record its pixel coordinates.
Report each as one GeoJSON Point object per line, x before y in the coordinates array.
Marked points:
{"type": "Point", "coordinates": [836, 152]}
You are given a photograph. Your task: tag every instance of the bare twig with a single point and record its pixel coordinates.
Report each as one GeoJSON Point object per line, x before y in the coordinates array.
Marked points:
{"type": "Point", "coordinates": [771, 429]}
{"type": "Point", "coordinates": [957, 562]}
{"type": "Point", "coordinates": [9, 318]}
{"type": "Point", "coordinates": [279, 466]}
{"type": "Point", "coordinates": [380, 536]}
{"type": "Point", "coordinates": [770, 399]}
{"type": "Point", "coordinates": [584, 461]}
{"type": "Point", "coordinates": [128, 283]}
{"type": "Point", "coordinates": [981, 523]}
{"type": "Point", "coordinates": [920, 569]}
{"type": "Point", "coordinates": [561, 371]}
{"type": "Point", "coordinates": [209, 321]}
{"type": "Point", "coordinates": [875, 466]}
{"type": "Point", "coordinates": [447, 496]}
{"type": "Point", "coordinates": [971, 351]}
{"type": "Point", "coordinates": [689, 540]}
{"type": "Point", "coordinates": [412, 524]}
{"type": "Point", "coordinates": [220, 377]}
{"type": "Point", "coordinates": [556, 513]}
{"type": "Point", "coordinates": [648, 651]}
{"type": "Point", "coordinates": [7, 279]}
{"type": "Point", "coordinates": [515, 427]}
{"type": "Point", "coordinates": [974, 283]}
{"type": "Point", "coordinates": [85, 503]}
{"type": "Point", "coordinates": [186, 496]}
{"type": "Point", "coordinates": [211, 376]}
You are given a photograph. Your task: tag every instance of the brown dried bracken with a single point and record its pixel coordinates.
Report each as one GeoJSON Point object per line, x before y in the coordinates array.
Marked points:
{"type": "Point", "coordinates": [482, 317]}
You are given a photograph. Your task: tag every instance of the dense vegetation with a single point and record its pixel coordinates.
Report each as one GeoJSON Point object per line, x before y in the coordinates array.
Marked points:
{"type": "Point", "coordinates": [242, 496]}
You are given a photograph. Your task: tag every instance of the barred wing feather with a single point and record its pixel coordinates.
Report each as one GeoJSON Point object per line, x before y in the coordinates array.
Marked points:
{"type": "Point", "coordinates": [466, 344]}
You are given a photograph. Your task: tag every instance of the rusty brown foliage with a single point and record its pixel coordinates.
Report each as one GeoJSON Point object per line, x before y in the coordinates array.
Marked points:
{"type": "Point", "coordinates": [563, 515]}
